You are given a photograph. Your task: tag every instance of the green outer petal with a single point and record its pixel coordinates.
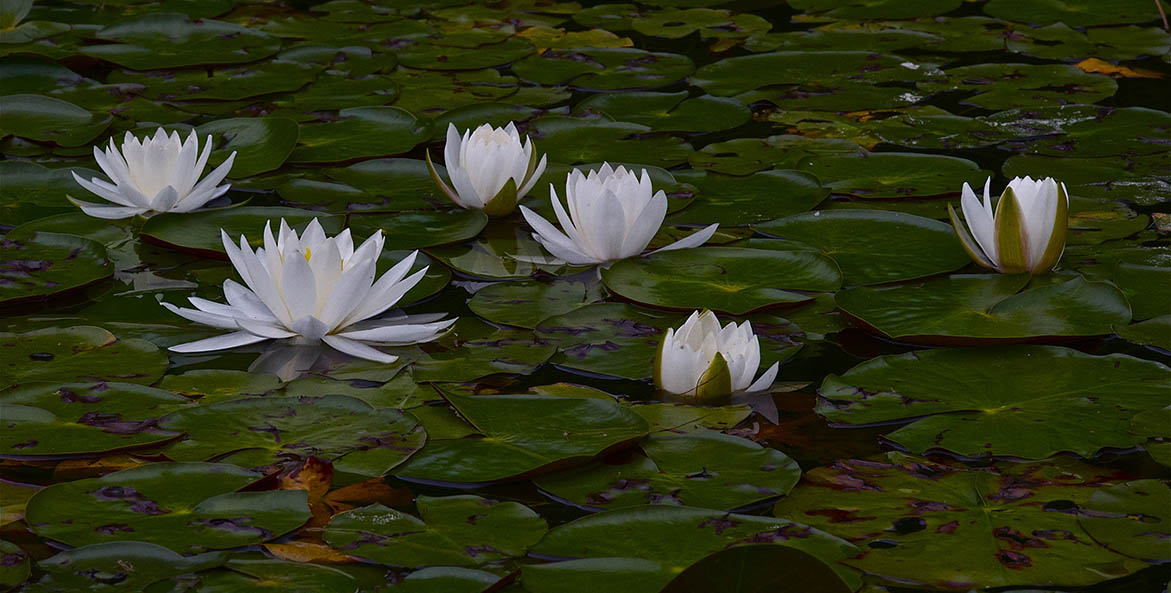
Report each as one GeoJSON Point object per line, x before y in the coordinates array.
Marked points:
{"type": "Point", "coordinates": [1056, 245]}
{"type": "Point", "coordinates": [439, 181]}
{"type": "Point", "coordinates": [967, 242]}
{"type": "Point", "coordinates": [715, 385]}
{"type": "Point", "coordinates": [1010, 241]}
{"type": "Point", "coordinates": [504, 201]}
{"type": "Point", "coordinates": [533, 159]}
{"type": "Point", "coordinates": [659, 362]}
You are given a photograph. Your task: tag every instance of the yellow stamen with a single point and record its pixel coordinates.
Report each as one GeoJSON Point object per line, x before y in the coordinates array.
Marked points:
{"type": "Point", "coordinates": [307, 253]}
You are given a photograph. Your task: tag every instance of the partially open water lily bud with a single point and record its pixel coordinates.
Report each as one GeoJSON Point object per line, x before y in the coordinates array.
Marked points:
{"type": "Point", "coordinates": [154, 175]}
{"type": "Point", "coordinates": [707, 361]}
{"type": "Point", "coordinates": [490, 168]}
{"type": "Point", "coordinates": [1027, 232]}
{"type": "Point", "coordinates": [312, 288]}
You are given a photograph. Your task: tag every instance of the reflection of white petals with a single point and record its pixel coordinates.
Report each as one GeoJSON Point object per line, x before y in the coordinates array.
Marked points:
{"type": "Point", "coordinates": [609, 214]}
{"type": "Point", "coordinates": [482, 161]}
{"type": "Point", "coordinates": [152, 175]}
{"type": "Point", "coordinates": [691, 354]}
{"type": "Point", "coordinates": [312, 288]}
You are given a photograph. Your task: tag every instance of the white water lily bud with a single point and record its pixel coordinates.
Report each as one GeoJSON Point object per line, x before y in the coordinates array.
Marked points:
{"type": "Point", "coordinates": [610, 214]}
{"type": "Point", "coordinates": [312, 288]}
{"type": "Point", "coordinates": [1027, 232]}
{"type": "Point", "coordinates": [705, 360]}
{"type": "Point", "coordinates": [490, 168]}
{"type": "Point", "coordinates": [154, 175]}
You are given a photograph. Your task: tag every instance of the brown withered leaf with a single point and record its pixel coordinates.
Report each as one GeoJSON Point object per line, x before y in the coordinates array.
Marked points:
{"type": "Point", "coordinates": [374, 490]}
{"type": "Point", "coordinates": [307, 551]}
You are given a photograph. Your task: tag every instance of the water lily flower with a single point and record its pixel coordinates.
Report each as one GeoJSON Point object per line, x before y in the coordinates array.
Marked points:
{"type": "Point", "coordinates": [154, 175]}
{"type": "Point", "coordinates": [612, 214]}
{"type": "Point", "coordinates": [1027, 233]}
{"type": "Point", "coordinates": [490, 168]}
{"type": "Point", "coordinates": [702, 359]}
{"type": "Point", "coordinates": [312, 288]}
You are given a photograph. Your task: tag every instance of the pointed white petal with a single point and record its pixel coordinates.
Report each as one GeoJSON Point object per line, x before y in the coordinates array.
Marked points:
{"type": "Point", "coordinates": [232, 340]}
{"type": "Point", "coordinates": [692, 240]}
{"type": "Point", "coordinates": [358, 349]}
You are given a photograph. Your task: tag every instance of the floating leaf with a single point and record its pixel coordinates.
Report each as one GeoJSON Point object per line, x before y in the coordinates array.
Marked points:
{"type": "Point", "coordinates": [48, 264]}
{"type": "Point", "coordinates": [526, 304]}
{"type": "Point", "coordinates": [79, 353]}
{"type": "Point", "coordinates": [360, 132]}
{"type": "Point", "coordinates": [14, 565]}
{"type": "Point", "coordinates": [199, 232]}
{"type": "Point", "coordinates": [732, 201]}
{"type": "Point", "coordinates": [46, 119]}
{"type": "Point", "coordinates": [893, 174]}
{"type": "Point", "coordinates": [261, 143]}
{"type": "Point", "coordinates": [1131, 519]}
{"type": "Point", "coordinates": [607, 69]}
{"type": "Point", "coordinates": [117, 566]}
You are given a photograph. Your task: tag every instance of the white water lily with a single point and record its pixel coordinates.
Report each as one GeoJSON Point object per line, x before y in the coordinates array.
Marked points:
{"type": "Point", "coordinates": [1027, 232]}
{"type": "Point", "coordinates": [312, 288]}
{"type": "Point", "coordinates": [490, 168]}
{"type": "Point", "coordinates": [154, 175]}
{"type": "Point", "coordinates": [702, 359]}
{"type": "Point", "coordinates": [610, 214]}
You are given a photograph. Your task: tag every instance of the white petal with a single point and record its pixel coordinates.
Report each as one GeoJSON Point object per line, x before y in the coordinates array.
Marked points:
{"type": "Point", "coordinates": [765, 380]}
{"type": "Point", "coordinates": [232, 340]}
{"type": "Point", "coordinates": [268, 330]}
{"type": "Point", "coordinates": [358, 349]}
{"type": "Point", "coordinates": [106, 212]}
{"type": "Point", "coordinates": [692, 240]}
{"type": "Point", "coordinates": [203, 317]}
{"type": "Point", "coordinates": [400, 333]}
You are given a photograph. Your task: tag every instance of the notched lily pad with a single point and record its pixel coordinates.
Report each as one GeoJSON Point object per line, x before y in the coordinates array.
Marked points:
{"type": "Point", "coordinates": [117, 566]}
{"type": "Point", "coordinates": [170, 40]}
{"type": "Point", "coordinates": [48, 264]}
{"type": "Point", "coordinates": [1131, 519]}
{"type": "Point", "coordinates": [360, 132]}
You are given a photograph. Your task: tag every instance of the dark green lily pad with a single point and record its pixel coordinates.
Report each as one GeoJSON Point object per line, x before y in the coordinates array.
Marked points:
{"type": "Point", "coordinates": [732, 76]}
{"type": "Point", "coordinates": [641, 549]}
{"type": "Point", "coordinates": [678, 418]}
{"type": "Point", "coordinates": [1007, 86]}
{"type": "Point", "coordinates": [255, 575]}
{"type": "Point", "coordinates": [413, 230]}
{"type": "Point", "coordinates": [475, 349]}
{"type": "Point", "coordinates": [1061, 42]}
{"type": "Point", "coordinates": [226, 84]}
{"type": "Point", "coordinates": [199, 232]}
{"type": "Point", "coordinates": [501, 250]}
{"type": "Point", "coordinates": [213, 386]}
{"type": "Point", "coordinates": [1135, 179]}
{"type": "Point", "coordinates": [1013, 524]}
{"type": "Point", "coordinates": [893, 174]}
{"type": "Point", "coordinates": [604, 69]}
{"type": "Point", "coordinates": [437, 54]}
{"type": "Point", "coordinates": [526, 304]}
{"type": "Point", "coordinates": [573, 140]}
{"type": "Point", "coordinates": [1075, 13]}
{"type": "Point", "coordinates": [434, 93]}
{"type": "Point", "coordinates": [333, 90]}
{"type": "Point", "coordinates": [48, 264]}
{"type": "Point", "coordinates": [1153, 429]}
{"type": "Point", "coordinates": [1143, 287]}
{"type": "Point", "coordinates": [1029, 402]}
{"type": "Point", "coordinates": [967, 308]}
{"type": "Point", "coordinates": [1109, 132]}
{"type": "Point", "coordinates": [1131, 519]}
{"type": "Point", "coordinates": [261, 144]}
{"type": "Point", "coordinates": [872, 247]}
{"type": "Point", "coordinates": [733, 201]}
{"type": "Point", "coordinates": [360, 132]}
{"type": "Point", "coordinates": [447, 579]}
{"type": "Point", "coordinates": [186, 507]}
{"type": "Point", "coordinates": [14, 565]}
{"type": "Point", "coordinates": [744, 156]}
{"type": "Point", "coordinates": [670, 112]}
{"type": "Point", "coordinates": [728, 279]}
{"type": "Point", "coordinates": [759, 568]}
{"type": "Point", "coordinates": [521, 435]}
{"type": "Point", "coordinates": [872, 9]}
{"type": "Point", "coordinates": [346, 431]}
{"type": "Point", "coordinates": [171, 40]}
{"type": "Point", "coordinates": [701, 469]}
{"type": "Point", "coordinates": [45, 119]}
{"type": "Point", "coordinates": [453, 530]}
{"type": "Point", "coordinates": [1154, 332]}
{"type": "Point", "coordinates": [117, 566]}
{"type": "Point", "coordinates": [31, 191]}
{"type": "Point", "coordinates": [400, 184]}
{"type": "Point", "coordinates": [78, 353]}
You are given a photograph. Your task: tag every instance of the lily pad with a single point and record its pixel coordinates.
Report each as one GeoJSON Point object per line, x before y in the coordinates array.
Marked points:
{"type": "Point", "coordinates": [453, 530]}
{"type": "Point", "coordinates": [79, 353]}
{"type": "Point", "coordinates": [526, 304]}
{"type": "Point", "coordinates": [893, 174]}
{"type": "Point", "coordinates": [604, 69]}
{"type": "Point", "coordinates": [873, 247]}
{"type": "Point", "coordinates": [587, 140]}
{"type": "Point", "coordinates": [1131, 519]}
{"type": "Point", "coordinates": [732, 201]}
{"type": "Point", "coordinates": [760, 568]}
{"type": "Point", "coordinates": [1014, 524]}
{"type": "Point", "coordinates": [1007, 86]}
{"type": "Point", "coordinates": [186, 507]}
{"type": "Point", "coordinates": [501, 250]}
{"type": "Point", "coordinates": [732, 76]}
{"type": "Point", "coordinates": [701, 469]}
{"type": "Point", "coordinates": [1075, 13]}
{"type": "Point", "coordinates": [447, 579]}
{"type": "Point", "coordinates": [402, 184]}
{"type": "Point", "coordinates": [981, 307]}
{"type": "Point", "coordinates": [360, 132]}
{"type": "Point", "coordinates": [14, 565]}
{"type": "Point", "coordinates": [1152, 332]}
{"type": "Point", "coordinates": [199, 232]}
{"type": "Point", "coordinates": [170, 40]}
{"type": "Point", "coordinates": [1030, 402]}
{"type": "Point", "coordinates": [45, 119]}
{"type": "Point", "coordinates": [475, 349]}
{"type": "Point", "coordinates": [412, 230]}
{"type": "Point", "coordinates": [522, 435]}
{"type": "Point", "coordinates": [728, 279]}
{"type": "Point", "coordinates": [31, 191]}
{"type": "Point", "coordinates": [48, 264]}
{"type": "Point", "coordinates": [670, 112]}
{"type": "Point", "coordinates": [744, 156]}
{"type": "Point", "coordinates": [117, 566]}
{"type": "Point", "coordinates": [212, 386]}
{"type": "Point", "coordinates": [246, 574]}
{"type": "Point", "coordinates": [346, 431]}
{"type": "Point", "coordinates": [872, 9]}
{"type": "Point", "coordinates": [438, 54]}
{"type": "Point", "coordinates": [261, 144]}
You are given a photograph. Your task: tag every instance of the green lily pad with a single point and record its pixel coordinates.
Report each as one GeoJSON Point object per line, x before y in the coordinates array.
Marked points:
{"type": "Point", "coordinates": [732, 76]}
{"type": "Point", "coordinates": [48, 264]}
{"type": "Point", "coordinates": [733, 201]}
{"type": "Point", "coordinates": [1014, 524]}
{"type": "Point", "coordinates": [413, 230]}
{"type": "Point", "coordinates": [1152, 332]}
{"type": "Point", "coordinates": [31, 191]}
{"type": "Point", "coordinates": [1029, 402]}
{"type": "Point", "coordinates": [429, 54]}
{"type": "Point", "coordinates": [1131, 519]}
{"type": "Point", "coordinates": [1060, 42]}
{"type": "Point", "coordinates": [360, 132]}
{"type": "Point", "coordinates": [728, 279]}
{"type": "Point", "coordinates": [186, 507]}
{"type": "Point", "coordinates": [45, 119]}
{"type": "Point", "coordinates": [14, 565]}
{"type": "Point", "coordinates": [522, 435]}
{"type": "Point", "coordinates": [334, 90]}
{"type": "Point", "coordinates": [501, 250]}
{"type": "Point", "coordinates": [744, 156]}
{"type": "Point", "coordinates": [1135, 179]}
{"type": "Point", "coordinates": [213, 386]}
{"type": "Point", "coordinates": [572, 140]}
{"type": "Point", "coordinates": [873, 247]}
{"type": "Point", "coordinates": [1141, 285]}
{"type": "Point", "coordinates": [447, 579]}
{"type": "Point", "coordinates": [171, 40]}
{"type": "Point", "coordinates": [641, 549]}
{"type": "Point", "coordinates": [226, 83]}
{"type": "Point", "coordinates": [1109, 132]}
{"type": "Point", "coordinates": [670, 112]}
{"type": "Point", "coordinates": [261, 144]}
{"type": "Point", "coordinates": [1075, 13]}
{"type": "Point", "coordinates": [1007, 86]}
{"type": "Point", "coordinates": [1153, 429]}
{"type": "Point", "coordinates": [474, 349]}
{"type": "Point", "coordinates": [78, 353]}
{"type": "Point", "coordinates": [893, 174]}
{"type": "Point", "coordinates": [346, 431]}
{"type": "Point", "coordinates": [604, 69]}
{"type": "Point", "coordinates": [199, 232]}
{"type": "Point", "coordinates": [526, 304]}
{"type": "Point", "coordinates": [434, 93]}
{"type": "Point", "coordinates": [117, 566]}
{"type": "Point", "coordinates": [967, 308]}
{"type": "Point", "coordinates": [246, 574]}
{"type": "Point", "coordinates": [758, 568]}
{"type": "Point", "coordinates": [680, 418]}
{"type": "Point", "coordinates": [872, 9]}
{"type": "Point", "coordinates": [701, 469]}
{"type": "Point", "coordinates": [453, 530]}
{"type": "Point", "coordinates": [400, 184]}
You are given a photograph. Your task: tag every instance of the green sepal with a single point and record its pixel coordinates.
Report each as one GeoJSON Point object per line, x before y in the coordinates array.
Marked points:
{"type": "Point", "coordinates": [969, 244]}
{"type": "Point", "coordinates": [1008, 231]}
{"type": "Point", "coordinates": [439, 180]}
{"type": "Point", "coordinates": [715, 385]}
{"type": "Point", "coordinates": [659, 362]}
{"type": "Point", "coordinates": [1056, 245]}
{"type": "Point", "coordinates": [532, 168]}
{"type": "Point", "coordinates": [504, 202]}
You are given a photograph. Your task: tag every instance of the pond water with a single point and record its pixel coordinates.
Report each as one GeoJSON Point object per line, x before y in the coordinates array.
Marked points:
{"type": "Point", "coordinates": [933, 425]}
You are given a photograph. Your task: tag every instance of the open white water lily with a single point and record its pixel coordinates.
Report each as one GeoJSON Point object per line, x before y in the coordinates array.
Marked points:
{"type": "Point", "coordinates": [154, 175]}
{"type": "Point", "coordinates": [704, 360]}
{"type": "Point", "coordinates": [610, 214]}
{"type": "Point", "coordinates": [1027, 232]}
{"type": "Point", "coordinates": [312, 288]}
{"type": "Point", "coordinates": [490, 168]}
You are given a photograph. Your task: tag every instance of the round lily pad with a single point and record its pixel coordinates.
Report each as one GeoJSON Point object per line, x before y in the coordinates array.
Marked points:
{"type": "Point", "coordinates": [14, 565]}
{"type": "Point", "coordinates": [347, 431]}
{"type": "Point", "coordinates": [453, 530]}
{"type": "Point", "coordinates": [199, 232]}
{"type": "Point", "coordinates": [589, 140]}
{"type": "Point", "coordinates": [521, 435]}
{"type": "Point", "coordinates": [872, 246]}
{"type": "Point", "coordinates": [253, 575]}
{"type": "Point", "coordinates": [216, 385]}
{"type": "Point", "coordinates": [893, 174]}
{"type": "Point", "coordinates": [117, 566]}
{"type": "Point", "coordinates": [412, 230]}
{"type": "Point", "coordinates": [702, 469]}
{"type": "Point", "coordinates": [79, 353]}
{"type": "Point", "coordinates": [728, 279]}
{"type": "Point", "coordinates": [360, 132]}
{"type": "Point", "coordinates": [1029, 402]}
{"type": "Point", "coordinates": [1006, 86]}
{"type": "Point", "coordinates": [439, 54]}
{"type": "Point", "coordinates": [170, 40]}
{"type": "Point", "coordinates": [971, 308]}
{"type": "Point", "coordinates": [1075, 13]}
{"type": "Point", "coordinates": [758, 568]}
{"type": "Point", "coordinates": [186, 507]}
{"type": "Point", "coordinates": [1131, 519]}
{"type": "Point", "coordinates": [48, 264]}
{"type": "Point", "coordinates": [732, 201]}
{"type": "Point", "coordinates": [46, 119]}
{"type": "Point", "coordinates": [744, 156]}
{"type": "Point", "coordinates": [261, 143]}
{"type": "Point", "coordinates": [605, 69]}
{"type": "Point", "coordinates": [1013, 524]}
{"type": "Point", "coordinates": [31, 191]}
{"type": "Point", "coordinates": [447, 579]}
{"type": "Point", "coordinates": [732, 76]}
{"type": "Point", "coordinates": [226, 83]}
{"type": "Point", "coordinates": [400, 184]}
{"type": "Point", "coordinates": [671, 112]}
{"type": "Point", "coordinates": [475, 349]}
{"type": "Point", "coordinates": [526, 304]}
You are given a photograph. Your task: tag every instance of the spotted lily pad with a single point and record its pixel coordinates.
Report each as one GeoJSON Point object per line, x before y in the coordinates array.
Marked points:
{"type": "Point", "coordinates": [1131, 519]}
{"type": "Point", "coordinates": [169, 40]}
{"type": "Point", "coordinates": [117, 566]}
{"type": "Point", "coordinates": [1013, 524]}
{"type": "Point", "coordinates": [1029, 402]}
{"type": "Point", "coordinates": [607, 69]}
{"type": "Point", "coordinates": [47, 264]}
{"type": "Point", "coordinates": [452, 530]}
{"type": "Point", "coordinates": [186, 507]}
{"type": "Point", "coordinates": [701, 469]}
{"type": "Point", "coordinates": [521, 435]}
{"type": "Point", "coordinates": [79, 353]}
{"type": "Point", "coordinates": [14, 565]}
